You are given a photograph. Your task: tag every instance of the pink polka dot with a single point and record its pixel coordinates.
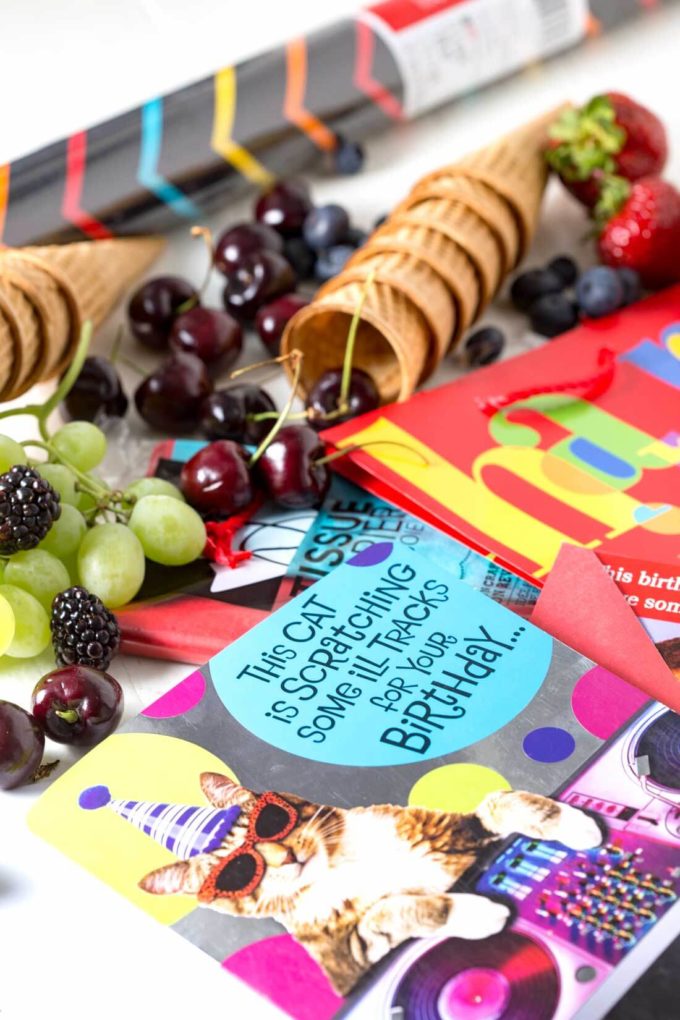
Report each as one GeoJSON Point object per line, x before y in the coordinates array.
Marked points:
{"type": "Point", "coordinates": [279, 968]}
{"type": "Point", "coordinates": [179, 699]}
{"type": "Point", "coordinates": [602, 702]}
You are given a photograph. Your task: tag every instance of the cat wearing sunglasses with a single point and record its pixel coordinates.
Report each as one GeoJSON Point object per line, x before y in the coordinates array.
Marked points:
{"type": "Point", "coordinates": [352, 884]}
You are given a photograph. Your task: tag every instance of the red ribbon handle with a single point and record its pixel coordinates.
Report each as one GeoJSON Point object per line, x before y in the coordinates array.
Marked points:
{"type": "Point", "coordinates": [220, 536]}
{"type": "Point", "coordinates": [585, 389]}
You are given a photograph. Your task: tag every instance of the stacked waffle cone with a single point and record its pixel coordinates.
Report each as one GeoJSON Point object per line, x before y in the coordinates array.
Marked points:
{"type": "Point", "coordinates": [433, 267]}
{"type": "Point", "coordinates": [47, 293]}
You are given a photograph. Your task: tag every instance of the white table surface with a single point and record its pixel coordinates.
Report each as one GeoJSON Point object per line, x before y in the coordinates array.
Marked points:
{"type": "Point", "coordinates": [69, 946]}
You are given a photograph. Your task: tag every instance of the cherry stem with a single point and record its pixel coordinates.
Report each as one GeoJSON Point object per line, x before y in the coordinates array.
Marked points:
{"type": "Point", "coordinates": [343, 399]}
{"type": "Point", "coordinates": [206, 234]}
{"type": "Point", "coordinates": [115, 348]}
{"type": "Point", "coordinates": [280, 360]}
{"type": "Point", "coordinates": [43, 411]}
{"type": "Point", "coordinates": [295, 356]}
{"type": "Point", "coordinates": [69, 715]}
{"type": "Point", "coordinates": [353, 447]}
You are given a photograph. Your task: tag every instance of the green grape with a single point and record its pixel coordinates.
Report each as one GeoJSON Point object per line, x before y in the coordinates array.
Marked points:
{"type": "Point", "coordinates": [62, 480]}
{"type": "Point", "coordinates": [66, 533]}
{"type": "Point", "coordinates": [111, 563]}
{"type": "Point", "coordinates": [11, 453]}
{"type": "Point", "coordinates": [171, 532]}
{"type": "Point", "coordinates": [7, 625]}
{"type": "Point", "coordinates": [81, 443]}
{"type": "Point", "coordinates": [151, 487]}
{"type": "Point", "coordinates": [39, 573]}
{"type": "Point", "coordinates": [31, 623]}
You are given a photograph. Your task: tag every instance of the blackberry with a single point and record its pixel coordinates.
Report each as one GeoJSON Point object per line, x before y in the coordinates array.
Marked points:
{"type": "Point", "coordinates": [83, 629]}
{"type": "Point", "coordinates": [29, 506]}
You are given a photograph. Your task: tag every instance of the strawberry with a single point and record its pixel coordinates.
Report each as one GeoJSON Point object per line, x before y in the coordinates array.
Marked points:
{"type": "Point", "coordinates": [611, 134]}
{"type": "Point", "coordinates": [641, 228]}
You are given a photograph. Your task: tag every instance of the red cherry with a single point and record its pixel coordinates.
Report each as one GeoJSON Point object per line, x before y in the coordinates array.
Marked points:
{"type": "Point", "coordinates": [284, 207]}
{"type": "Point", "coordinates": [170, 398]}
{"type": "Point", "coordinates": [153, 308]}
{"type": "Point", "coordinates": [213, 336]}
{"type": "Point", "coordinates": [244, 239]}
{"type": "Point", "coordinates": [78, 705]}
{"type": "Point", "coordinates": [256, 279]}
{"type": "Point", "coordinates": [217, 479]}
{"type": "Point", "coordinates": [289, 470]}
{"type": "Point", "coordinates": [324, 396]}
{"type": "Point", "coordinates": [22, 743]}
{"type": "Point", "coordinates": [272, 319]}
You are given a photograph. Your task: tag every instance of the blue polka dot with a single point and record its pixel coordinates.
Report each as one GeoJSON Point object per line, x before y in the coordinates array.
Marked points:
{"type": "Point", "coordinates": [372, 555]}
{"type": "Point", "coordinates": [548, 744]}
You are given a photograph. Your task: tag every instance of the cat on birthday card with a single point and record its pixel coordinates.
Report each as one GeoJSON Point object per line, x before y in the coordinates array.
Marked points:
{"type": "Point", "coordinates": [352, 884]}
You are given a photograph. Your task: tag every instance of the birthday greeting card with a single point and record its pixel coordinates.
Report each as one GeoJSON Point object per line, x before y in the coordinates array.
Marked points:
{"type": "Point", "coordinates": [393, 797]}
{"type": "Point", "coordinates": [577, 441]}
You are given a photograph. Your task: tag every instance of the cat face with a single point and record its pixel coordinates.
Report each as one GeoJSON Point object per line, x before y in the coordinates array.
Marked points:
{"type": "Point", "coordinates": [279, 845]}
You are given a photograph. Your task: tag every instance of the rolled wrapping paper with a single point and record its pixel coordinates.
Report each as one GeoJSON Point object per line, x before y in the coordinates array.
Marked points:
{"type": "Point", "coordinates": [160, 165]}
{"type": "Point", "coordinates": [47, 293]}
{"type": "Point", "coordinates": [409, 251]}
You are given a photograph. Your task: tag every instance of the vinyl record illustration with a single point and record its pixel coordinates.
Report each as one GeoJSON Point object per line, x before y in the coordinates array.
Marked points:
{"type": "Point", "coordinates": [659, 744]}
{"type": "Point", "coordinates": [505, 977]}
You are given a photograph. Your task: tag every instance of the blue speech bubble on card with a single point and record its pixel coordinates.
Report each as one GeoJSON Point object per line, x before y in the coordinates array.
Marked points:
{"type": "Point", "coordinates": [390, 664]}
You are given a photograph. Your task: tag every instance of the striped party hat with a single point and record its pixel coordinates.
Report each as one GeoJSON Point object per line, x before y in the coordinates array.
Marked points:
{"type": "Point", "coordinates": [182, 829]}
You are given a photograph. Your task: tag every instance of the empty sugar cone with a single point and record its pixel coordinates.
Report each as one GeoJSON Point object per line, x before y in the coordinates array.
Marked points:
{"type": "Point", "coordinates": [445, 256]}
{"type": "Point", "coordinates": [10, 347]}
{"type": "Point", "coordinates": [516, 169]}
{"type": "Point", "coordinates": [422, 286]}
{"type": "Point", "coordinates": [483, 200]}
{"type": "Point", "coordinates": [30, 332]}
{"type": "Point", "coordinates": [392, 338]}
{"type": "Point", "coordinates": [468, 230]}
{"type": "Point", "coordinates": [55, 307]}
{"type": "Point", "coordinates": [97, 272]}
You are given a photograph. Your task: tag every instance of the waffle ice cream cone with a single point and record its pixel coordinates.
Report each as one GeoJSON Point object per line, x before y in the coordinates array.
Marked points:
{"type": "Point", "coordinates": [392, 341]}
{"type": "Point", "coordinates": [467, 229]}
{"type": "Point", "coordinates": [468, 223]}
{"type": "Point", "coordinates": [442, 254]}
{"type": "Point", "coordinates": [482, 200]}
{"type": "Point", "coordinates": [10, 347]}
{"type": "Point", "coordinates": [422, 286]}
{"type": "Point", "coordinates": [50, 291]}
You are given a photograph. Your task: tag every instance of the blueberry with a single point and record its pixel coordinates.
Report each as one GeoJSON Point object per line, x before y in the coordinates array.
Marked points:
{"type": "Point", "coordinates": [332, 261]}
{"type": "Point", "coordinates": [348, 158]}
{"type": "Point", "coordinates": [632, 287]}
{"type": "Point", "coordinates": [300, 256]}
{"type": "Point", "coordinates": [564, 267]}
{"type": "Point", "coordinates": [599, 291]}
{"type": "Point", "coordinates": [532, 284]}
{"type": "Point", "coordinates": [325, 226]}
{"type": "Point", "coordinates": [356, 237]}
{"type": "Point", "coordinates": [483, 346]}
{"type": "Point", "coordinates": [552, 314]}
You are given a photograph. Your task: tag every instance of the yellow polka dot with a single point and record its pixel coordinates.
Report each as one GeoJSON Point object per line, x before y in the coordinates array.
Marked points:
{"type": "Point", "coordinates": [457, 788]}
{"type": "Point", "coordinates": [7, 624]}
{"type": "Point", "coordinates": [672, 342]}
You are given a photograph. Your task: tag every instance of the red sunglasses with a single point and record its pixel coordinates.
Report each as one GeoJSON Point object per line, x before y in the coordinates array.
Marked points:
{"type": "Point", "coordinates": [237, 875]}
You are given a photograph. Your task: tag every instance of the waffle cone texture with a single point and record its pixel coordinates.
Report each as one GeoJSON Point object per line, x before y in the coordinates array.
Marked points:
{"type": "Point", "coordinates": [430, 269]}
{"type": "Point", "coordinates": [48, 292]}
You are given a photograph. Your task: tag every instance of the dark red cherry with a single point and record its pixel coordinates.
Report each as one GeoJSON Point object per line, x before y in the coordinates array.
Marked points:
{"type": "Point", "coordinates": [272, 319]}
{"type": "Point", "coordinates": [216, 480]}
{"type": "Point", "coordinates": [153, 309]}
{"type": "Point", "coordinates": [212, 335]}
{"type": "Point", "coordinates": [170, 398]}
{"type": "Point", "coordinates": [324, 396]}
{"type": "Point", "coordinates": [97, 390]}
{"type": "Point", "coordinates": [244, 239]}
{"type": "Point", "coordinates": [257, 279]}
{"type": "Point", "coordinates": [224, 414]}
{"type": "Point", "coordinates": [289, 471]}
{"type": "Point", "coordinates": [78, 705]}
{"type": "Point", "coordinates": [22, 743]}
{"type": "Point", "coordinates": [284, 207]}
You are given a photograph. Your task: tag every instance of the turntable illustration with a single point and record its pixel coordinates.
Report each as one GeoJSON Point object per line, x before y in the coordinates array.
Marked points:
{"type": "Point", "coordinates": [584, 921]}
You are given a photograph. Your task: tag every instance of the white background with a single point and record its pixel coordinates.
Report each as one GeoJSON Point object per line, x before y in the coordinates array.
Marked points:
{"type": "Point", "coordinates": [70, 947]}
